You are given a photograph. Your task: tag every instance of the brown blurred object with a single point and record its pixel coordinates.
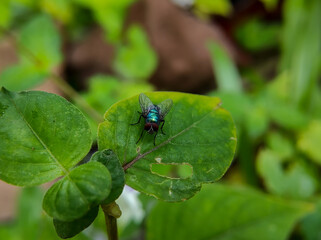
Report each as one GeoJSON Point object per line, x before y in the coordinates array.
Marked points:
{"type": "Point", "coordinates": [7, 201]}
{"type": "Point", "coordinates": [48, 86]}
{"type": "Point", "coordinates": [88, 57]}
{"type": "Point", "coordinates": [178, 38]}
{"type": "Point", "coordinates": [180, 41]}
{"type": "Point", "coordinates": [7, 53]}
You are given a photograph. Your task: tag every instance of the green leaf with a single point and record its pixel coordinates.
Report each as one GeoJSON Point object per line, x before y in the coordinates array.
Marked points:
{"type": "Point", "coordinates": [111, 162]}
{"type": "Point", "coordinates": [70, 229]}
{"type": "Point", "coordinates": [221, 212]}
{"type": "Point", "coordinates": [198, 133]}
{"type": "Point", "coordinates": [301, 50]}
{"type": "Point", "coordinates": [111, 20]}
{"type": "Point", "coordinates": [270, 5]}
{"type": "Point", "coordinates": [136, 59]}
{"type": "Point", "coordinates": [256, 120]}
{"type": "Point", "coordinates": [311, 224]}
{"type": "Point", "coordinates": [280, 145]}
{"type": "Point", "coordinates": [256, 35]}
{"type": "Point", "coordinates": [110, 14]}
{"type": "Point", "coordinates": [296, 181]}
{"type": "Point", "coordinates": [277, 100]}
{"type": "Point", "coordinates": [26, 3]}
{"type": "Point", "coordinates": [39, 53]}
{"type": "Point", "coordinates": [226, 73]}
{"type": "Point", "coordinates": [29, 212]}
{"type": "Point", "coordinates": [309, 141]}
{"type": "Point", "coordinates": [42, 137]}
{"type": "Point", "coordinates": [21, 76]}
{"type": "Point", "coordinates": [5, 14]}
{"type": "Point", "coordinates": [60, 9]}
{"type": "Point", "coordinates": [286, 115]}
{"type": "Point", "coordinates": [84, 187]}
{"type": "Point", "coordinates": [220, 7]}
{"type": "Point", "coordinates": [41, 38]}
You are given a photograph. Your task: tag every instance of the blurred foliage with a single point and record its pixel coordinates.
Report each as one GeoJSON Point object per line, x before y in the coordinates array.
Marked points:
{"type": "Point", "coordinates": [226, 210]}
{"type": "Point", "coordinates": [227, 76]}
{"type": "Point", "coordinates": [31, 222]}
{"type": "Point", "coordinates": [39, 53]}
{"type": "Point", "coordinates": [270, 4]}
{"type": "Point", "coordinates": [256, 35]}
{"type": "Point", "coordinates": [301, 50]}
{"type": "Point", "coordinates": [136, 59]}
{"type": "Point", "coordinates": [219, 7]}
{"type": "Point", "coordinates": [110, 14]}
{"type": "Point", "coordinates": [280, 119]}
{"type": "Point", "coordinates": [5, 13]}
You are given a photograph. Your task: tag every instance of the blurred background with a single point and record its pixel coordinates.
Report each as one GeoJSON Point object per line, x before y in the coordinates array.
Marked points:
{"type": "Point", "coordinates": [261, 57]}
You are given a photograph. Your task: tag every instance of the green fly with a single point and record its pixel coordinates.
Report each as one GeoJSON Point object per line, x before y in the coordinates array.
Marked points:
{"type": "Point", "coordinates": [153, 114]}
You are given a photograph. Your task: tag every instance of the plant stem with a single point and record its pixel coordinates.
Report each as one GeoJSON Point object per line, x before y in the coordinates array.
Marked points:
{"type": "Point", "coordinates": [111, 224]}
{"type": "Point", "coordinates": [111, 212]}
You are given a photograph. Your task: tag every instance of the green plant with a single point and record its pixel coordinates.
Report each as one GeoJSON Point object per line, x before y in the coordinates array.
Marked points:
{"type": "Point", "coordinates": [278, 121]}
{"type": "Point", "coordinates": [278, 124]}
{"type": "Point", "coordinates": [50, 136]}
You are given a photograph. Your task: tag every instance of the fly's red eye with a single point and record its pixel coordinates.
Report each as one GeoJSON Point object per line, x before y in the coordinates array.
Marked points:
{"type": "Point", "coordinates": [155, 127]}
{"type": "Point", "coordinates": [147, 126]}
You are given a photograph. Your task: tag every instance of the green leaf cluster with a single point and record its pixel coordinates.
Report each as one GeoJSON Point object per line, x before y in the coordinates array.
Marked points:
{"type": "Point", "coordinates": [278, 120]}
{"type": "Point", "coordinates": [43, 137]}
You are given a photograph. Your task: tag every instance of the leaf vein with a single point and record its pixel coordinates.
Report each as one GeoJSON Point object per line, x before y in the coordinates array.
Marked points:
{"type": "Point", "coordinates": [38, 138]}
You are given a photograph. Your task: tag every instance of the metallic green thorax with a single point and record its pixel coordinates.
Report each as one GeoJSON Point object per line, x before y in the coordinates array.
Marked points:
{"type": "Point", "coordinates": [153, 116]}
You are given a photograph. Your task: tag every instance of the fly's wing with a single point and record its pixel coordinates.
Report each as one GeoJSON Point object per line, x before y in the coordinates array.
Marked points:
{"type": "Point", "coordinates": [145, 103]}
{"type": "Point", "coordinates": [164, 107]}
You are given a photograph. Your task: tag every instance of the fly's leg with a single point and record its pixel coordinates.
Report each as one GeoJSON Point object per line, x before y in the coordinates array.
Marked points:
{"type": "Point", "coordinates": [141, 135]}
{"type": "Point", "coordinates": [141, 115]}
{"type": "Point", "coordinates": [155, 138]}
{"type": "Point", "coordinates": [163, 121]}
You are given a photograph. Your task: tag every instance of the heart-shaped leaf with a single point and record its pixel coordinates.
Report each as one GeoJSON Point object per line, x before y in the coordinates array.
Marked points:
{"type": "Point", "coordinates": [70, 229]}
{"type": "Point", "coordinates": [42, 137]}
{"type": "Point", "coordinates": [111, 162]}
{"type": "Point", "coordinates": [84, 187]}
{"type": "Point", "coordinates": [198, 133]}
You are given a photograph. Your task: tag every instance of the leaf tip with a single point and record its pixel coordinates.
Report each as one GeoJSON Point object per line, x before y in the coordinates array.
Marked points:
{"type": "Point", "coordinates": [4, 90]}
